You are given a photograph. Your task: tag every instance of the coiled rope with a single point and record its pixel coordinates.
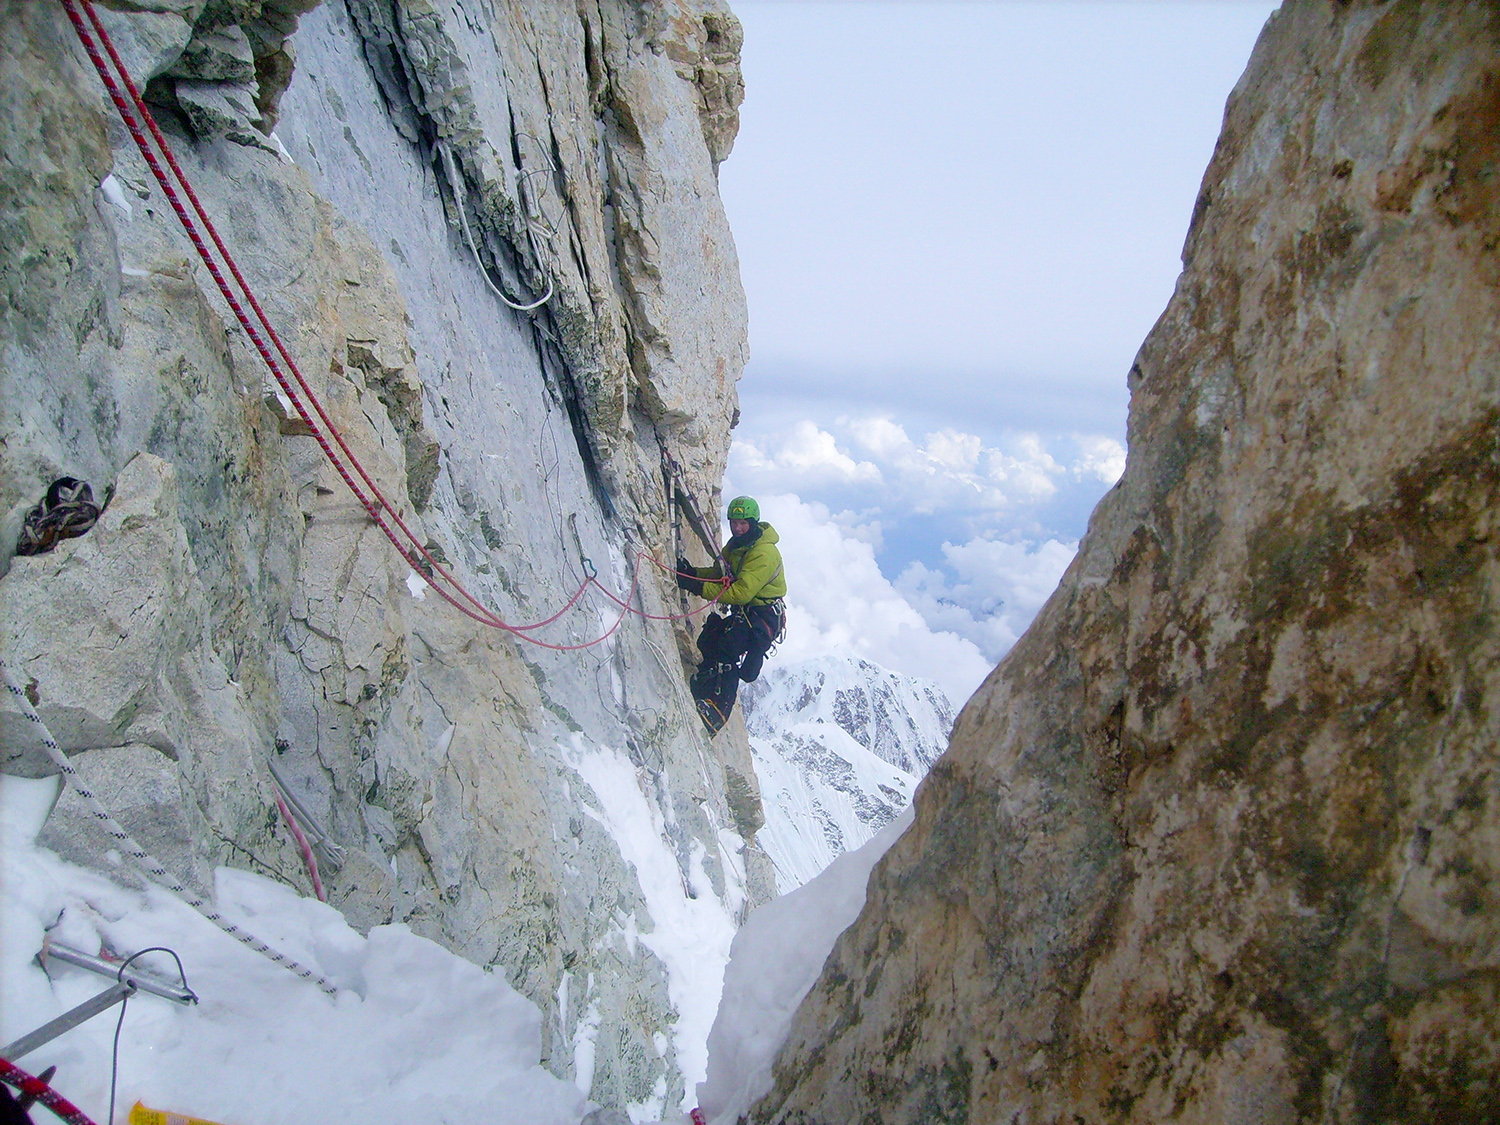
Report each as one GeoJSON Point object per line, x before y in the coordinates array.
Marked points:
{"type": "Point", "coordinates": [138, 121]}
{"type": "Point", "coordinates": [34, 1087]}
{"type": "Point", "coordinates": [148, 864]}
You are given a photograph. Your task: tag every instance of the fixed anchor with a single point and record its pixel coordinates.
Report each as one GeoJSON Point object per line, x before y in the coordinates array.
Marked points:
{"type": "Point", "coordinates": [146, 982]}
{"type": "Point", "coordinates": [128, 981]}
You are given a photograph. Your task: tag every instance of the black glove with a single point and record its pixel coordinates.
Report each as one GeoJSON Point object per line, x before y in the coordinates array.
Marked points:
{"type": "Point", "coordinates": [685, 580]}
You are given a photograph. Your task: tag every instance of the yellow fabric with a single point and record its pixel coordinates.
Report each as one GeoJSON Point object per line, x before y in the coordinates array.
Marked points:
{"type": "Point", "coordinates": [759, 574]}
{"type": "Point", "coordinates": [140, 1115]}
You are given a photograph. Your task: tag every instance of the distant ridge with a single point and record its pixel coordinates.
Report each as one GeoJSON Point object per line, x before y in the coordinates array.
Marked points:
{"type": "Point", "coordinates": [839, 745]}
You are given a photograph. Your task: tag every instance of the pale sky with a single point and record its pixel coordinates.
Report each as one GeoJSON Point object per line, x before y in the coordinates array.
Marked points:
{"type": "Point", "coordinates": [956, 223]}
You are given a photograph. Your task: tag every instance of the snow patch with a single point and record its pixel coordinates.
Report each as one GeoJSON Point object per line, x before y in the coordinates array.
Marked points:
{"type": "Point", "coordinates": [839, 745]}
{"type": "Point", "coordinates": [114, 194]}
{"type": "Point", "coordinates": [691, 927]}
{"type": "Point", "coordinates": [415, 1034]}
{"type": "Point", "coordinates": [775, 960]}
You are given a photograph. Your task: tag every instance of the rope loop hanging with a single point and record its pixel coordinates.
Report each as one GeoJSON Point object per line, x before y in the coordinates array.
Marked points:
{"type": "Point", "coordinates": [252, 318]}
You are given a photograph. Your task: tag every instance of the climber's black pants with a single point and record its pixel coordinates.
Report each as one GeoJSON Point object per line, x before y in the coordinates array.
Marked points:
{"type": "Point", "coordinates": [734, 648]}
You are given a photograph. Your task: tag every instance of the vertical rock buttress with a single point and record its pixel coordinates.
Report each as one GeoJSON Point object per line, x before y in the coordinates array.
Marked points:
{"type": "Point", "coordinates": [236, 606]}
{"type": "Point", "coordinates": [1218, 841]}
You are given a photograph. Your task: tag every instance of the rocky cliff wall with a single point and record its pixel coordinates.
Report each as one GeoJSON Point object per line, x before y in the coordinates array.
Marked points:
{"type": "Point", "coordinates": [236, 605]}
{"type": "Point", "coordinates": [1217, 842]}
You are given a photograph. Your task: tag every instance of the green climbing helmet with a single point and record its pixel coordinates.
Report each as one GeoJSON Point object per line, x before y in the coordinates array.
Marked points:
{"type": "Point", "coordinates": [744, 508]}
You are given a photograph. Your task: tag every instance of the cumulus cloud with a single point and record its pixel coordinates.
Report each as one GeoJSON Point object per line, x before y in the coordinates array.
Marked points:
{"type": "Point", "coordinates": [839, 602]}
{"type": "Point", "coordinates": [1027, 473]}
{"type": "Point", "coordinates": [806, 454]}
{"type": "Point", "coordinates": [879, 435]}
{"type": "Point", "coordinates": [1100, 457]}
{"type": "Point", "coordinates": [993, 591]}
{"type": "Point", "coordinates": [949, 471]}
{"type": "Point", "coordinates": [980, 530]}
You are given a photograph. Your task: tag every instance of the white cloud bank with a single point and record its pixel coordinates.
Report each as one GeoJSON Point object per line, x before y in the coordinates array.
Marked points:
{"type": "Point", "coordinates": [948, 471]}
{"type": "Point", "coordinates": [999, 588]}
{"type": "Point", "coordinates": [949, 619]}
{"type": "Point", "coordinates": [839, 602]}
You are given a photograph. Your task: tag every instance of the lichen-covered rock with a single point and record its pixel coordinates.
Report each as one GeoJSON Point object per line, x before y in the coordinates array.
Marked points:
{"type": "Point", "coordinates": [219, 54]}
{"type": "Point", "coordinates": [218, 109]}
{"type": "Point", "coordinates": [1219, 841]}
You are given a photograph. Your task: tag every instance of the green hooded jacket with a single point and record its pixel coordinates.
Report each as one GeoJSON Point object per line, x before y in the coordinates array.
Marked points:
{"type": "Point", "coordinates": [759, 577]}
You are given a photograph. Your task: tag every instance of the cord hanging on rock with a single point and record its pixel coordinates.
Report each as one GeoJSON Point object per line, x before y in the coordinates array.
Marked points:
{"type": "Point", "coordinates": [149, 865]}
{"type": "Point", "coordinates": [273, 351]}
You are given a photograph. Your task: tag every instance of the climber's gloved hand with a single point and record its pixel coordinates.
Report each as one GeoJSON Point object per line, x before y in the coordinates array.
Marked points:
{"type": "Point", "coordinates": [685, 579]}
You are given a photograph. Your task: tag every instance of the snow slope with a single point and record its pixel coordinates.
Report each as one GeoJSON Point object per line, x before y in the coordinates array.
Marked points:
{"type": "Point", "coordinates": [839, 745]}
{"type": "Point", "coordinates": [775, 960]}
{"type": "Point", "coordinates": [417, 1034]}
{"type": "Point", "coordinates": [414, 1035]}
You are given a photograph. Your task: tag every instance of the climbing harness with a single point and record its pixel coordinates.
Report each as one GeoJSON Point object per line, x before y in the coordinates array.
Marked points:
{"type": "Point", "coordinates": [278, 359]}
{"type": "Point", "coordinates": [148, 864]}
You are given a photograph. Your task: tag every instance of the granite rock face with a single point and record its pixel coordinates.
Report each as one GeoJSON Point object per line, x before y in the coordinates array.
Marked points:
{"type": "Point", "coordinates": [1219, 841]}
{"type": "Point", "coordinates": [236, 605]}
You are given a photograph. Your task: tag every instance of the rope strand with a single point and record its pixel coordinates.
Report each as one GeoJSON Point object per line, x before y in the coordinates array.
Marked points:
{"type": "Point", "coordinates": [29, 1084]}
{"type": "Point", "coordinates": [302, 397]}
{"type": "Point", "coordinates": [148, 864]}
{"type": "Point", "coordinates": [309, 860]}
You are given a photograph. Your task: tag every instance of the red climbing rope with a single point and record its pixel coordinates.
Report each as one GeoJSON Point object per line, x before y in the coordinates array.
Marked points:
{"type": "Point", "coordinates": [610, 594]}
{"type": "Point", "coordinates": [36, 1088]}
{"type": "Point", "coordinates": [376, 501]}
{"type": "Point", "coordinates": [296, 388]}
{"type": "Point", "coordinates": [309, 860]}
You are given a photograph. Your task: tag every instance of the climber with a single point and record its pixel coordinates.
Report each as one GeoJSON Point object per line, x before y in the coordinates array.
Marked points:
{"type": "Point", "coordinates": [747, 586]}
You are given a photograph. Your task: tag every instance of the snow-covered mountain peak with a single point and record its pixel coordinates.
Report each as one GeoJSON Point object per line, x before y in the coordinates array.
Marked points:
{"type": "Point", "coordinates": [839, 745]}
{"type": "Point", "coordinates": [902, 720]}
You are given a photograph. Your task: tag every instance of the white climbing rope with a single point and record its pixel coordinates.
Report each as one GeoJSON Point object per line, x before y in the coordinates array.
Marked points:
{"type": "Point", "coordinates": [146, 862]}
{"type": "Point", "coordinates": [460, 197]}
